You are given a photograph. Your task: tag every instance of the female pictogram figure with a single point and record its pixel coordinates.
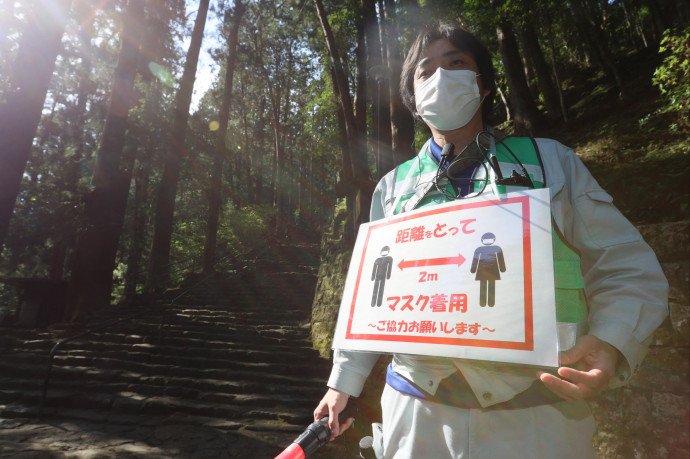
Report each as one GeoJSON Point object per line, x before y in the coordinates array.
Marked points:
{"type": "Point", "coordinates": [487, 262]}
{"type": "Point", "coordinates": [382, 271]}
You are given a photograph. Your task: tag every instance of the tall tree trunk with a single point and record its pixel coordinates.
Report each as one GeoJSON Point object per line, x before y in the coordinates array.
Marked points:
{"type": "Point", "coordinates": [85, 16]}
{"type": "Point", "coordinates": [159, 263]}
{"type": "Point", "coordinates": [288, 169]}
{"type": "Point", "coordinates": [554, 69]}
{"type": "Point", "coordinates": [130, 153]}
{"type": "Point", "coordinates": [343, 185]}
{"type": "Point", "coordinates": [291, 201]}
{"type": "Point", "coordinates": [633, 24]}
{"type": "Point", "coordinates": [593, 37]}
{"type": "Point", "coordinates": [105, 206]}
{"type": "Point", "coordinates": [682, 11]}
{"type": "Point", "coordinates": [359, 154]}
{"type": "Point", "coordinates": [60, 215]}
{"type": "Point", "coordinates": [504, 101]}
{"type": "Point", "coordinates": [249, 198]}
{"type": "Point", "coordinates": [402, 122]}
{"type": "Point", "coordinates": [344, 181]}
{"type": "Point", "coordinates": [525, 112]}
{"type": "Point", "coordinates": [356, 180]}
{"type": "Point", "coordinates": [378, 77]}
{"type": "Point", "coordinates": [74, 139]}
{"type": "Point", "coordinates": [361, 78]}
{"type": "Point", "coordinates": [261, 182]}
{"type": "Point", "coordinates": [304, 185]}
{"type": "Point", "coordinates": [140, 209]}
{"type": "Point", "coordinates": [141, 185]}
{"type": "Point", "coordinates": [23, 103]}
{"type": "Point", "coordinates": [7, 20]}
{"type": "Point", "coordinates": [57, 260]}
{"type": "Point", "coordinates": [657, 19]}
{"type": "Point", "coordinates": [338, 73]}
{"type": "Point", "coordinates": [279, 173]}
{"type": "Point", "coordinates": [214, 198]}
{"type": "Point", "coordinates": [279, 97]}
{"type": "Point", "coordinates": [534, 55]}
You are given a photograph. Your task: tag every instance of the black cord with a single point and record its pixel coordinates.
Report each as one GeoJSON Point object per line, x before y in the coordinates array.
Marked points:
{"type": "Point", "coordinates": [515, 179]}
{"type": "Point", "coordinates": [451, 179]}
{"type": "Point", "coordinates": [526, 178]}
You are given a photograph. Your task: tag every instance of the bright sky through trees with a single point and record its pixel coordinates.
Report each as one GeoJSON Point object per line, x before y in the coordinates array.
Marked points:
{"type": "Point", "coordinates": [207, 71]}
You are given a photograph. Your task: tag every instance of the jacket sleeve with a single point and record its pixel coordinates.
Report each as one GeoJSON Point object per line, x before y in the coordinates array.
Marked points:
{"type": "Point", "coordinates": [350, 368]}
{"type": "Point", "coordinates": [626, 289]}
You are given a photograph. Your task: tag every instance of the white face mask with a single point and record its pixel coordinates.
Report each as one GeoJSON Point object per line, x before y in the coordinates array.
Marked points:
{"type": "Point", "coordinates": [448, 99]}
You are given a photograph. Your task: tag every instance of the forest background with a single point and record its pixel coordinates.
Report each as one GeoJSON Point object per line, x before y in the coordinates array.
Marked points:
{"type": "Point", "coordinates": [111, 179]}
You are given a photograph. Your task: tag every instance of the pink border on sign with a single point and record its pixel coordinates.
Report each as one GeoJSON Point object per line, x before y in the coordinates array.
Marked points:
{"type": "Point", "coordinates": [526, 345]}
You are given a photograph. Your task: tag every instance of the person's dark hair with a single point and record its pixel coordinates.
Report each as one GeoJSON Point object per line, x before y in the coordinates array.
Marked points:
{"type": "Point", "coordinates": [461, 39]}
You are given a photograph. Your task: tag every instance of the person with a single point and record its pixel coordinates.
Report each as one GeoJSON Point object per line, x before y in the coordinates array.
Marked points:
{"type": "Point", "coordinates": [382, 271]}
{"type": "Point", "coordinates": [610, 291]}
{"type": "Point", "coordinates": [488, 263]}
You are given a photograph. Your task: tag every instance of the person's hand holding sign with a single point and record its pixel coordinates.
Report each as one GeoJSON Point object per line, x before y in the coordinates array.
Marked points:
{"type": "Point", "coordinates": [592, 366]}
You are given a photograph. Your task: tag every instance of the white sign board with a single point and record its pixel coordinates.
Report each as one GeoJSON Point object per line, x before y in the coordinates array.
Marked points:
{"type": "Point", "coordinates": [468, 279]}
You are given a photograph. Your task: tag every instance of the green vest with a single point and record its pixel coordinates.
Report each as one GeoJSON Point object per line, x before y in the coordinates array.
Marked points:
{"type": "Point", "coordinates": [571, 304]}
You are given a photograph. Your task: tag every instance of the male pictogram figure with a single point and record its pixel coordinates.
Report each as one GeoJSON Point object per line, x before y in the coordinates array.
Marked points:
{"type": "Point", "coordinates": [382, 271]}
{"type": "Point", "coordinates": [487, 262]}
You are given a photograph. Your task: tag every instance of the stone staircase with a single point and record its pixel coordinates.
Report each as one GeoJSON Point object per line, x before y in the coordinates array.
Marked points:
{"type": "Point", "coordinates": [227, 370]}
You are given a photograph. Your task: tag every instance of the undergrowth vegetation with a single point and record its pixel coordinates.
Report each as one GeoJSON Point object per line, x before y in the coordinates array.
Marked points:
{"type": "Point", "coordinates": [637, 146]}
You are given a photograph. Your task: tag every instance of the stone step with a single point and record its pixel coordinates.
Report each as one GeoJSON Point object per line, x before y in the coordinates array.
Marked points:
{"type": "Point", "coordinates": [173, 345]}
{"type": "Point", "coordinates": [208, 380]}
{"type": "Point", "coordinates": [134, 331]}
{"type": "Point", "coordinates": [218, 327]}
{"type": "Point", "coordinates": [259, 335]}
{"type": "Point", "coordinates": [172, 366]}
{"type": "Point", "coordinates": [263, 286]}
{"type": "Point", "coordinates": [235, 355]}
{"type": "Point", "coordinates": [269, 338]}
{"type": "Point", "coordinates": [92, 433]}
{"type": "Point", "coordinates": [207, 320]}
{"type": "Point", "coordinates": [19, 411]}
{"type": "Point", "coordinates": [222, 381]}
{"type": "Point", "coordinates": [175, 355]}
{"type": "Point", "coordinates": [264, 277]}
{"type": "Point", "coordinates": [221, 392]}
{"type": "Point", "coordinates": [186, 357]}
{"type": "Point", "coordinates": [218, 324]}
{"type": "Point", "coordinates": [253, 316]}
{"type": "Point", "coordinates": [291, 410]}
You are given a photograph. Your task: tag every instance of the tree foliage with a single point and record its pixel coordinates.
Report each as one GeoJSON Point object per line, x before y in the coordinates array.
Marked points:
{"type": "Point", "coordinates": [294, 145]}
{"type": "Point", "coordinates": [673, 75]}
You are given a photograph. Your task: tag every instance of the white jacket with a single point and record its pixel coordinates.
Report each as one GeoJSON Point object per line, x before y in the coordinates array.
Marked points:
{"type": "Point", "coordinates": [625, 287]}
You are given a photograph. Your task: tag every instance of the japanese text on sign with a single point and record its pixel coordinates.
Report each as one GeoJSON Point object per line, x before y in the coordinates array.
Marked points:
{"type": "Point", "coordinates": [455, 280]}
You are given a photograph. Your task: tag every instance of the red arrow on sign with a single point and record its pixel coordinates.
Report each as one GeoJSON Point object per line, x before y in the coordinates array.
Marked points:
{"type": "Point", "coordinates": [459, 260]}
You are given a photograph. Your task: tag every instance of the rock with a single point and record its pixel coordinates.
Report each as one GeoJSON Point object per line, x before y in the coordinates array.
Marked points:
{"type": "Point", "coordinates": [678, 275]}
{"type": "Point", "coordinates": [680, 320]}
{"type": "Point", "coordinates": [670, 241]}
{"type": "Point", "coordinates": [664, 370]}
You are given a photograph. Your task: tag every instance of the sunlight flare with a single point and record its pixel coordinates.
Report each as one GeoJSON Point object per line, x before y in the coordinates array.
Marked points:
{"type": "Point", "coordinates": [162, 74]}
